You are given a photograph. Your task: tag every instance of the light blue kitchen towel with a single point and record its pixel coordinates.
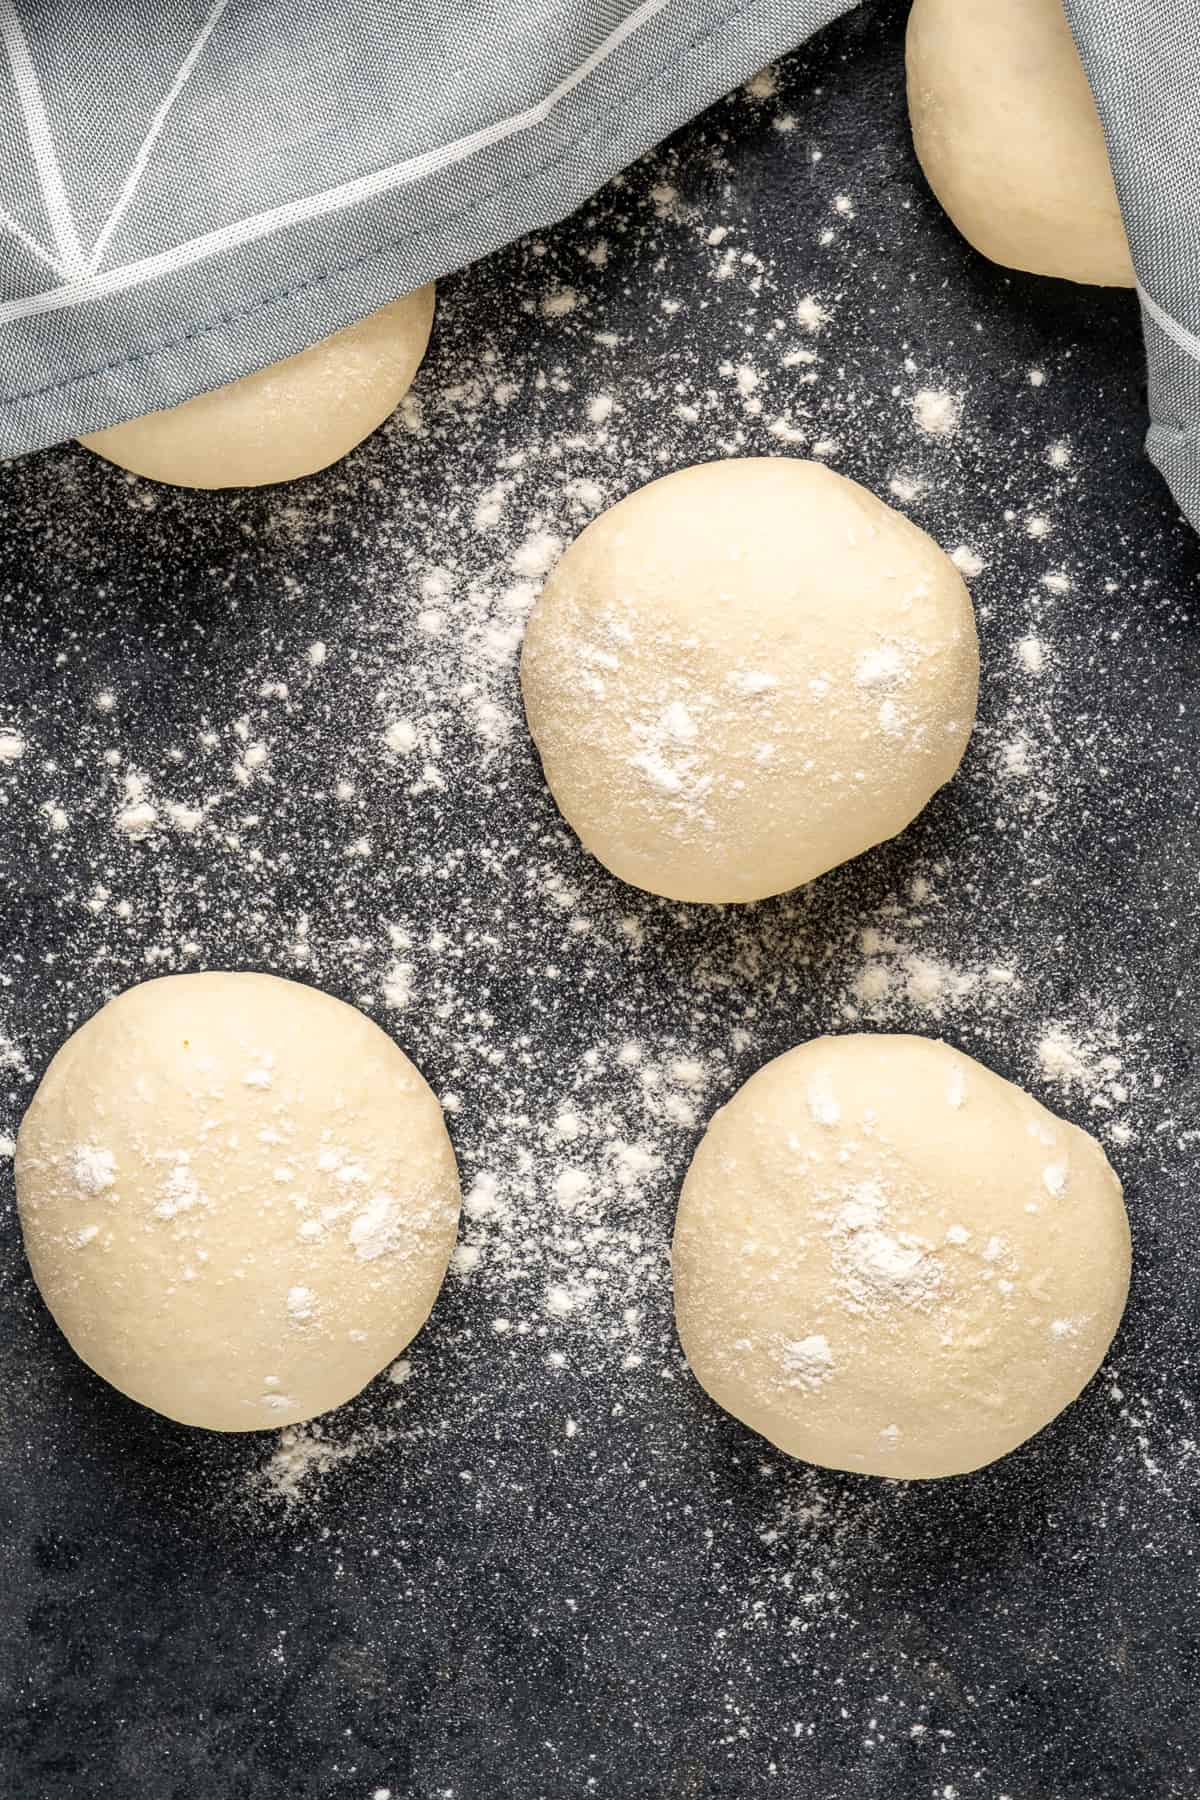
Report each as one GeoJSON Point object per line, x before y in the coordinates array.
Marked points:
{"type": "Point", "coordinates": [1143, 61]}
{"type": "Point", "coordinates": [190, 189]}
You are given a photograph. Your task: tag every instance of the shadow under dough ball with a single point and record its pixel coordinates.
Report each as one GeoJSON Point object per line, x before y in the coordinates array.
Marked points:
{"type": "Point", "coordinates": [1006, 129]}
{"type": "Point", "coordinates": [237, 1196]}
{"type": "Point", "coordinates": [287, 420]}
{"type": "Point", "coordinates": [745, 673]}
{"type": "Point", "coordinates": [890, 1260]}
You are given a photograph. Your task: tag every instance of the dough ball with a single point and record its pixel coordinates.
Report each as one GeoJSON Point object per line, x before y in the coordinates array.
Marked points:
{"type": "Point", "coordinates": [238, 1198]}
{"type": "Point", "coordinates": [1007, 133]}
{"type": "Point", "coordinates": [889, 1260]}
{"type": "Point", "coordinates": [287, 420]}
{"type": "Point", "coordinates": [746, 673]}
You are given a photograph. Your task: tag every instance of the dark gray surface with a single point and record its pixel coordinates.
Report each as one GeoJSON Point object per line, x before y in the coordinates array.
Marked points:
{"type": "Point", "coordinates": [658, 1606]}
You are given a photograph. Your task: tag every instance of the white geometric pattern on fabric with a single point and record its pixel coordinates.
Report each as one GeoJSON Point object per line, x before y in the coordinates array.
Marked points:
{"type": "Point", "coordinates": [191, 190]}
{"type": "Point", "coordinates": [1178, 334]}
{"type": "Point", "coordinates": [81, 275]}
{"type": "Point", "coordinates": [147, 144]}
{"type": "Point", "coordinates": [69, 260]}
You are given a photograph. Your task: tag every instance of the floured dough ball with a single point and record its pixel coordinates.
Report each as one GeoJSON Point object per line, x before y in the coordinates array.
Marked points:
{"type": "Point", "coordinates": [237, 1196]}
{"type": "Point", "coordinates": [1007, 133]}
{"type": "Point", "coordinates": [887, 1259]}
{"type": "Point", "coordinates": [287, 420]}
{"type": "Point", "coordinates": [746, 673]}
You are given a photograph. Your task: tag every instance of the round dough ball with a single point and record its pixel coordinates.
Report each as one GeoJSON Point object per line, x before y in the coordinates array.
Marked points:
{"type": "Point", "coordinates": [1007, 133]}
{"type": "Point", "coordinates": [887, 1259]}
{"type": "Point", "coordinates": [238, 1198]}
{"type": "Point", "coordinates": [287, 420]}
{"type": "Point", "coordinates": [746, 673]}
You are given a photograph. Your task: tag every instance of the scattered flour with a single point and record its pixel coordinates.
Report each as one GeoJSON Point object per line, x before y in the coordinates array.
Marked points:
{"type": "Point", "coordinates": [340, 784]}
{"type": "Point", "coordinates": [811, 315]}
{"type": "Point", "coordinates": [937, 412]}
{"type": "Point", "coordinates": [303, 1456]}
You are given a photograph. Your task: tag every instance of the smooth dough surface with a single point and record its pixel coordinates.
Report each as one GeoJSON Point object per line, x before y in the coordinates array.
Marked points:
{"type": "Point", "coordinates": [890, 1260]}
{"type": "Point", "coordinates": [238, 1198]}
{"type": "Point", "coordinates": [1007, 132]}
{"type": "Point", "coordinates": [746, 673]}
{"type": "Point", "coordinates": [287, 420]}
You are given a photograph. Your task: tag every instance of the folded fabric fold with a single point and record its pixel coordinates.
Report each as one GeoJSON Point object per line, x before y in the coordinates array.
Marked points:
{"type": "Point", "coordinates": [228, 195]}
{"type": "Point", "coordinates": [1143, 61]}
{"type": "Point", "coordinates": [249, 181]}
